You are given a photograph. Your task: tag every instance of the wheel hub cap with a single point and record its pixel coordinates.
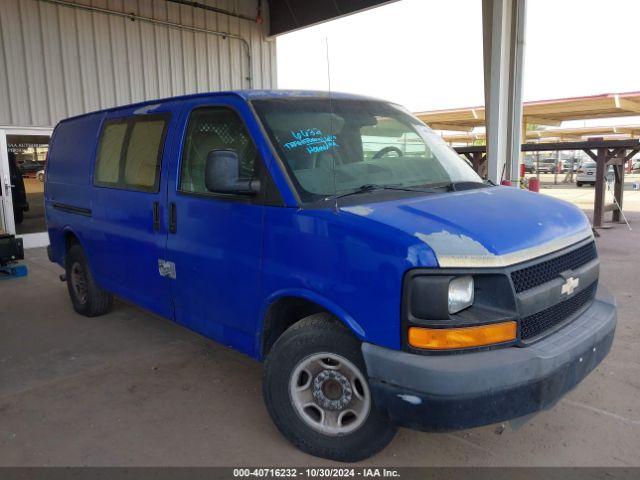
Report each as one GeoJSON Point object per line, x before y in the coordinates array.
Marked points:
{"type": "Point", "coordinates": [332, 390]}
{"type": "Point", "coordinates": [78, 282]}
{"type": "Point", "coordinates": [329, 393]}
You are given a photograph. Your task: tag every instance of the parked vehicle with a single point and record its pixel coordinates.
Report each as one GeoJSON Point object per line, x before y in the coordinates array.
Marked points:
{"type": "Point", "coordinates": [635, 167]}
{"type": "Point", "coordinates": [18, 192]}
{"type": "Point", "coordinates": [569, 165]}
{"type": "Point", "coordinates": [529, 165]}
{"type": "Point", "coordinates": [544, 166]}
{"type": "Point", "coordinates": [30, 167]}
{"type": "Point", "coordinates": [392, 289]}
{"type": "Point", "coordinates": [586, 174]}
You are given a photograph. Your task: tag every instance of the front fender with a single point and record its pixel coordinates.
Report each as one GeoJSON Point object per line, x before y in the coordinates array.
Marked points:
{"type": "Point", "coordinates": [318, 299]}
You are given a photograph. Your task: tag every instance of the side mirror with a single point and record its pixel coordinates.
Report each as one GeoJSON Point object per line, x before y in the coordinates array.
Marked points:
{"type": "Point", "coordinates": [221, 174]}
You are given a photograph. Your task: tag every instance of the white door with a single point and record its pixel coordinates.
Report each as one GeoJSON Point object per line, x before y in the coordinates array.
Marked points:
{"type": "Point", "coordinates": [28, 147]}
{"type": "Point", "coordinates": [6, 204]}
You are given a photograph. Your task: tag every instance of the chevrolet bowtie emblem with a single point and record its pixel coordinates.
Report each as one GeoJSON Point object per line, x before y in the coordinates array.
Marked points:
{"type": "Point", "coordinates": [570, 285]}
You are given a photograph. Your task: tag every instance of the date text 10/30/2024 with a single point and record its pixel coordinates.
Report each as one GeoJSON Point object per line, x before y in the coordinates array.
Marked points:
{"type": "Point", "coordinates": [315, 473]}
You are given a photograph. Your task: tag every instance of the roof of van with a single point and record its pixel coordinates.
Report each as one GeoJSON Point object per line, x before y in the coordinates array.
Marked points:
{"type": "Point", "coordinates": [245, 94]}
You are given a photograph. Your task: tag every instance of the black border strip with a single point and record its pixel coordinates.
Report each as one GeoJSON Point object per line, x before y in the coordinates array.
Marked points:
{"type": "Point", "coordinates": [64, 207]}
{"type": "Point", "coordinates": [327, 471]}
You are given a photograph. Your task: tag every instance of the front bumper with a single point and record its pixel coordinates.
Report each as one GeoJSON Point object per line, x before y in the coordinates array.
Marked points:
{"type": "Point", "coordinates": [451, 392]}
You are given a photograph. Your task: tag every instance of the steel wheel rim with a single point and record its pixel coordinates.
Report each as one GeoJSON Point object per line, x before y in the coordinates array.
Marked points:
{"type": "Point", "coordinates": [79, 282]}
{"type": "Point", "coordinates": [330, 394]}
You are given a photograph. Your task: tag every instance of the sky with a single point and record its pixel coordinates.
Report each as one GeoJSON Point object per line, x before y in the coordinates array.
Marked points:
{"type": "Point", "coordinates": [427, 54]}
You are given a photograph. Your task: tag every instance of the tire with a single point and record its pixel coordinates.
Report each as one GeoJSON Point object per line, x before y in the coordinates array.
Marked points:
{"type": "Point", "coordinates": [578, 184]}
{"type": "Point", "coordinates": [363, 430]}
{"type": "Point", "coordinates": [87, 297]}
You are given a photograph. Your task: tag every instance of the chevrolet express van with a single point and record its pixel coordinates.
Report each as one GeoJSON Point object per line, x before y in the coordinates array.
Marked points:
{"type": "Point", "coordinates": [338, 239]}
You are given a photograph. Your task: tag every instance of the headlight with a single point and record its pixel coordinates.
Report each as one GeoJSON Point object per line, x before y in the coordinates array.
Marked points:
{"type": "Point", "coordinates": [455, 312]}
{"type": "Point", "coordinates": [460, 294]}
{"type": "Point", "coordinates": [436, 297]}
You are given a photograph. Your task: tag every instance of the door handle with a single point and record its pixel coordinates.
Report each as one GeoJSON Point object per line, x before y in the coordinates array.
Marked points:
{"type": "Point", "coordinates": [156, 216]}
{"type": "Point", "coordinates": [7, 185]}
{"type": "Point", "coordinates": [173, 225]}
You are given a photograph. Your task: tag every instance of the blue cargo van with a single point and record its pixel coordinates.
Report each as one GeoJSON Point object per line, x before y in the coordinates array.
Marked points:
{"type": "Point", "coordinates": [338, 239]}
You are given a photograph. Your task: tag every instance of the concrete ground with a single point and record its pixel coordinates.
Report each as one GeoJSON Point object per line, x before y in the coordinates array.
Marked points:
{"type": "Point", "coordinates": [130, 389]}
{"type": "Point", "coordinates": [584, 196]}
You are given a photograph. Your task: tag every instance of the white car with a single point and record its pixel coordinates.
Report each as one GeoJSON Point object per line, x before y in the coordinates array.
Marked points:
{"type": "Point", "coordinates": [586, 174]}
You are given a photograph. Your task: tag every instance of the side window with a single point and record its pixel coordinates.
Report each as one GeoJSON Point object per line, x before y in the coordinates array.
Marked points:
{"type": "Point", "coordinates": [108, 161]}
{"type": "Point", "coordinates": [142, 159]}
{"type": "Point", "coordinates": [214, 128]}
{"type": "Point", "coordinates": [129, 155]}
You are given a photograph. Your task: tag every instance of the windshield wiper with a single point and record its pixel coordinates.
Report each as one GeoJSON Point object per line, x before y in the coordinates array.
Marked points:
{"type": "Point", "coordinates": [461, 185]}
{"type": "Point", "coordinates": [370, 187]}
{"type": "Point", "coordinates": [469, 185]}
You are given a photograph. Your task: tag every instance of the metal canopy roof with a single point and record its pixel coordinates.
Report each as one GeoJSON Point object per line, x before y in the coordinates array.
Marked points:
{"type": "Point", "coordinates": [542, 112]}
{"type": "Point", "coordinates": [628, 144]}
{"type": "Point", "coordinates": [289, 15]}
{"type": "Point", "coordinates": [558, 134]}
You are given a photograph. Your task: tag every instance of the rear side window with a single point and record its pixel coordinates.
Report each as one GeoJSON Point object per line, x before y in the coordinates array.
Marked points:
{"type": "Point", "coordinates": [142, 160]}
{"type": "Point", "coordinates": [130, 153]}
{"type": "Point", "coordinates": [108, 163]}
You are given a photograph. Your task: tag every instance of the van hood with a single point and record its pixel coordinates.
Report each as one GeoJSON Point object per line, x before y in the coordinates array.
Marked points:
{"type": "Point", "coordinates": [487, 227]}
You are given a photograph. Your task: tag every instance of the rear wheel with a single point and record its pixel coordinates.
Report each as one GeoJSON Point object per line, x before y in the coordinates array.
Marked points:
{"type": "Point", "coordinates": [578, 184]}
{"type": "Point", "coordinates": [86, 296]}
{"type": "Point", "coordinates": [316, 391]}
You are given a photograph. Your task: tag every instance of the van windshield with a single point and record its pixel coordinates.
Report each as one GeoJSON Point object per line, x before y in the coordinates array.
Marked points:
{"type": "Point", "coordinates": [367, 142]}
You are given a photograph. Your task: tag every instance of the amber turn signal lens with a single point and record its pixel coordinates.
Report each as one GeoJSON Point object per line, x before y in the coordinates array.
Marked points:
{"type": "Point", "coordinates": [466, 337]}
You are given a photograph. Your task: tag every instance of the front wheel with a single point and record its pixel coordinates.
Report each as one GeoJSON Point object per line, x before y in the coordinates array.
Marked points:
{"type": "Point", "coordinates": [316, 391]}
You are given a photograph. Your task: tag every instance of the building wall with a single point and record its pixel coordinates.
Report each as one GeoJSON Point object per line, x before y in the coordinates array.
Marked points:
{"type": "Point", "coordinates": [57, 61]}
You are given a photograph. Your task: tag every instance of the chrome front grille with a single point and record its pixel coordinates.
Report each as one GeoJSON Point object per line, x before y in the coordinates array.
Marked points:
{"type": "Point", "coordinates": [547, 270]}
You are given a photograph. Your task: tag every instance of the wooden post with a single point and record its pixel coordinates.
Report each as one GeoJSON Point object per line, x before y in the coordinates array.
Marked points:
{"type": "Point", "coordinates": [601, 169]}
{"type": "Point", "coordinates": [618, 189]}
{"type": "Point", "coordinates": [477, 160]}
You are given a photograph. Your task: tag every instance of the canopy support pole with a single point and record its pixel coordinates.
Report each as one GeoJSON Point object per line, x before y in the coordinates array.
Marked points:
{"type": "Point", "coordinates": [503, 23]}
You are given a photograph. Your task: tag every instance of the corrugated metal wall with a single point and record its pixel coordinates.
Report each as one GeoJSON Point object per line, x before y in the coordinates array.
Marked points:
{"type": "Point", "coordinates": [58, 61]}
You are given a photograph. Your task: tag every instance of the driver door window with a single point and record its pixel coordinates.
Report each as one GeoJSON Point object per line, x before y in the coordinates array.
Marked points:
{"type": "Point", "coordinates": [214, 128]}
